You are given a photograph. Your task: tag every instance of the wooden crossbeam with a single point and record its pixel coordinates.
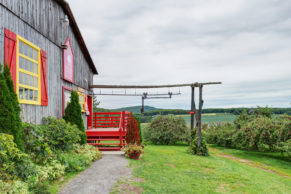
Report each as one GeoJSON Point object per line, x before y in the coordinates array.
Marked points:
{"type": "Point", "coordinates": [196, 84]}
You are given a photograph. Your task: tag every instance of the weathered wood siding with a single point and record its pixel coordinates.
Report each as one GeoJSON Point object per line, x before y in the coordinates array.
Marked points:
{"type": "Point", "coordinates": [39, 21]}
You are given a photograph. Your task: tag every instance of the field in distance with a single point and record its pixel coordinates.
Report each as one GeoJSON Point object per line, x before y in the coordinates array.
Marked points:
{"type": "Point", "coordinates": [212, 118]}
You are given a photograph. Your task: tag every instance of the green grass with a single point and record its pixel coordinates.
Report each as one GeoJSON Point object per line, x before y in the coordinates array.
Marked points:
{"type": "Point", "coordinates": [56, 186]}
{"type": "Point", "coordinates": [275, 161]}
{"type": "Point", "coordinates": [170, 169]}
{"type": "Point", "coordinates": [211, 118]}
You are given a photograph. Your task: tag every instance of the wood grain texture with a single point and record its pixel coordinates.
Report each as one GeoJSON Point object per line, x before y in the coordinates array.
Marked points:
{"type": "Point", "coordinates": [39, 21]}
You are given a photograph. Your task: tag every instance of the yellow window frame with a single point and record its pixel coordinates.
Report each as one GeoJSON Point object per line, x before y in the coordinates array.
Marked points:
{"type": "Point", "coordinates": [83, 108]}
{"type": "Point", "coordinates": [38, 89]}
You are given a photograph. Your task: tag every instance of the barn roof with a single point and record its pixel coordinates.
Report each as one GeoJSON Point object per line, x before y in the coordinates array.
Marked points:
{"type": "Point", "coordinates": [78, 34]}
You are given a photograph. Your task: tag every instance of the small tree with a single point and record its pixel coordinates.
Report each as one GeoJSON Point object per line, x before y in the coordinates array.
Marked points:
{"type": "Point", "coordinates": [95, 104]}
{"type": "Point", "coordinates": [73, 115]}
{"type": "Point", "coordinates": [10, 121]}
{"type": "Point", "coordinates": [132, 133]}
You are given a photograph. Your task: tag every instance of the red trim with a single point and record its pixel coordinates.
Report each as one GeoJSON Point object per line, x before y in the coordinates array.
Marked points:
{"type": "Point", "coordinates": [90, 107]}
{"type": "Point", "coordinates": [192, 112]}
{"type": "Point", "coordinates": [68, 43]}
{"type": "Point", "coordinates": [63, 92]}
{"type": "Point", "coordinates": [10, 42]}
{"type": "Point", "coordinates": [43, 81]}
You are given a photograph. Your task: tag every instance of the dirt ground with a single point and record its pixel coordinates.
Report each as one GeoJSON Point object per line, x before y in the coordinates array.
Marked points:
{"type": "Point", "coordinates": [100, 177]}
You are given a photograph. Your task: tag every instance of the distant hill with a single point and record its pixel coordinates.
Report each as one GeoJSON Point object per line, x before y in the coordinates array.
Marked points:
{"type": "Point", "coordinates": [136, 109]}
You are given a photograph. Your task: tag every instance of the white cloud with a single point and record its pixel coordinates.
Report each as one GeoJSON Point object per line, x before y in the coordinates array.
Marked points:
{"type": "Point", "coordinates": [245, 44]}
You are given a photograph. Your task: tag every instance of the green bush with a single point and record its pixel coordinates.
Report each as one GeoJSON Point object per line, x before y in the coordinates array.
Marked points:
{"type": "Point", "coordinates": [73, 115]}
{"type": "Point", "coordinates": [14, 187]}
{"type": "Point", "coordinates": [167, 130]}
{"type": "Point", "coordinates": [202, 150]}
{"type": "Point", "coordinates": [139, 128]}
{"type": "Point", "coordinates": [58, 134]}
{"type": "Point", "coordinates": [51, 171]}
{"type": "Point", "coordinates": [35, 143]}
{"type": "Point", "coordinates": [14, 164]}
{"type": "Point", "coordinates": [258, 132]}
{"type": "Point", "coordinates": [78, 159]}
{"type": "Point", "coordinates": [10, 121]}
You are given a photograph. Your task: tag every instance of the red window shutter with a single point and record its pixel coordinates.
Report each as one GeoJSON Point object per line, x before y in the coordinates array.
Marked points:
{"type": "Point", "coordinates": [10, 42]}
{"type": "Point", "coordinates": [44, 95]}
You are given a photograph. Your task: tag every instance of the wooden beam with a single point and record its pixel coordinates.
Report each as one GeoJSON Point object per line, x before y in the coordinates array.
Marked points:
{"type": "Point", "coordinates": [196, 84]}
{"type": "Point", "coordinates": [200, 115]}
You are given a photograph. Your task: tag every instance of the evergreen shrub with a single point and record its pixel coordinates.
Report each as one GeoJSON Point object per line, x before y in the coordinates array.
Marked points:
{"type": "Point", "coordinates": [10, 121]}
{"type": "Point", "coordinates": [73, 115]}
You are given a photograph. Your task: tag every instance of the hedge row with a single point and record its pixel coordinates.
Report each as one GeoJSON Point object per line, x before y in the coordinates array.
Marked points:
{"type": "Point", "coordinates": [51, 150]}
{"type": "Point", "coordinates": [258, 132]}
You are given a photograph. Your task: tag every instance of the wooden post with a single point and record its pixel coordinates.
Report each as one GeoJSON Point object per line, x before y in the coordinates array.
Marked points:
{"type": "Point", "coordinates": [142, 105]}
{"type": "Point", "coordinates": [192, 107]}
{"type": "Point", "coordinates": [200, 115]}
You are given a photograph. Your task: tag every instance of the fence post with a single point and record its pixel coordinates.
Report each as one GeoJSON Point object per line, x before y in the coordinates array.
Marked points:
{"type": "Point", "coordinates": [121, 127]}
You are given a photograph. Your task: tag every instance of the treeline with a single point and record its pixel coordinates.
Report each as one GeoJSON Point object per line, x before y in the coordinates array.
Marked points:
{"type": "Point", "coordinates": [235, 111]}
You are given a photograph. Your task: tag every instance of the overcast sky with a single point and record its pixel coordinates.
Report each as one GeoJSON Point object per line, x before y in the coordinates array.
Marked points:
{"type": "Point", "coordinates": [245, 44]}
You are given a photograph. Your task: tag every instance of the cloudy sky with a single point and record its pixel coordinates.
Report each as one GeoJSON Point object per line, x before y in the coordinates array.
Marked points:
{"type": "Point", "coordinates": [245, 44]}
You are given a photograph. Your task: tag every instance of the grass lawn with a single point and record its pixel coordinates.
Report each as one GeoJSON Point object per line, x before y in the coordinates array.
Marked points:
{"type": "Point", "coordinates": [170, 169]}
{"type": "Point", "coordinates": [211, 117]}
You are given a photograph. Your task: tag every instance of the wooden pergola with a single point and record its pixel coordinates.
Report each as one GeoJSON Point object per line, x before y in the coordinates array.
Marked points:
{"type": "Point", "coordinates": [193, 105]}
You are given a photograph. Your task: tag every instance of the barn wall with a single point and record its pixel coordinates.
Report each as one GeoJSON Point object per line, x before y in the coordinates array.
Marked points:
{"type": "Point", "coordinates": [39, 21]}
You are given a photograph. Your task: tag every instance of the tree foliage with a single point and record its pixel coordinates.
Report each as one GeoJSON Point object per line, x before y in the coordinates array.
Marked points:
{"type": "Point", "coordinates": [167, 130]}
{"type": "Point", "coordinates": [132, 132]}
{"type": "Point", "coordinates": [73, 115]}
{"type": "Point", "coordinates": [10, 121]}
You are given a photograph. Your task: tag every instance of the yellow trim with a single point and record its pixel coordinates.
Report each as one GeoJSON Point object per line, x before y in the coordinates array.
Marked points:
{"type": "Point", "coordinates": [28, 58]}
{"type": "Point", "coordinates": [38, 89]}
{"type": "Point", "coordinates": [82, 104]}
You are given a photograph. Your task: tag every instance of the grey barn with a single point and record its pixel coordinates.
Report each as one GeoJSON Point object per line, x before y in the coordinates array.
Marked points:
{"type": "Point", "coordinates": [41, 43]}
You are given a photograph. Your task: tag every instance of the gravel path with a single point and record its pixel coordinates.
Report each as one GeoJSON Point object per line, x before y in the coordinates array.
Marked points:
{"type": "Point", "coordinates": [100, 177]}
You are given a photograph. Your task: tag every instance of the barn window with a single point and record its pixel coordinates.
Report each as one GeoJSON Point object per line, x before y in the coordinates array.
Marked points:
{"type": "Point", "coordinates": [28, 70]}
{"type": "Point", "coordinates": [82, 101]}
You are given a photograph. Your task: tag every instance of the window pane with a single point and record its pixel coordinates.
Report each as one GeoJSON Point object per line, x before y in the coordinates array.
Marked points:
{"type": "Point", "coordinates": [20, 77]}
{"type": "Point", "coordinates": [20, 47]}
{"type": "Point", "coordinates": [20, 63]}
{"type": "Point", "coordinates": [30, 94]}
{"type": "Point", "coordinates": [25, 64]}
{"type": "Point", "coordinates": [30, 66]}
{"type": "Point", "coordinates": [35, 82]}
{"type": "Point", "coordinates": [35, 95]}
{"type": "Point", "coordinates": [35, 54]}
{"type": "Point", "coordinates": [25, 48]}
{"type": "Point", "coordinates": [25, 93]}
{"type": "Point", "coordinates": [35, 68]}
{"type": "Point", "coordinates": [30, 52]}
{"type": "Point", "coordinates": [20, 93]}
{"type": "Point", "coordinates": [25, 79]}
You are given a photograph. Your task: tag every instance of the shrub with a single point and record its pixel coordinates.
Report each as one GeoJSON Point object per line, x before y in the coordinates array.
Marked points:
{"type": "Point", "coordinates": [132, 133]}
{"type": "Point", "coordinates": [167, 130]}
{"type": "Point", "coordinates": [35, 144]}
{"type": "Point", "coordinates": [256, 132]}
{"type": "Point", "coordinates": [132, 150]}
{"type": "Point", "coordinates": [10, 121]}
{"type": "Point", "coordinates": [79, 158]}
{"type": "Point", "coordinates": [51, 171]}
{"type": "Point", "coordinates": [139, 128]}
{"type": "Point", "coordinates": [73, 115]}
{"type": "Point", "coordinates": [13, 187]}
{"type": "Point", "coordinates": [14, 164]}
{"type": "Point", "coordinates": [202, 150]}
{"type": "Point", "coordinates": [58, 134]}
